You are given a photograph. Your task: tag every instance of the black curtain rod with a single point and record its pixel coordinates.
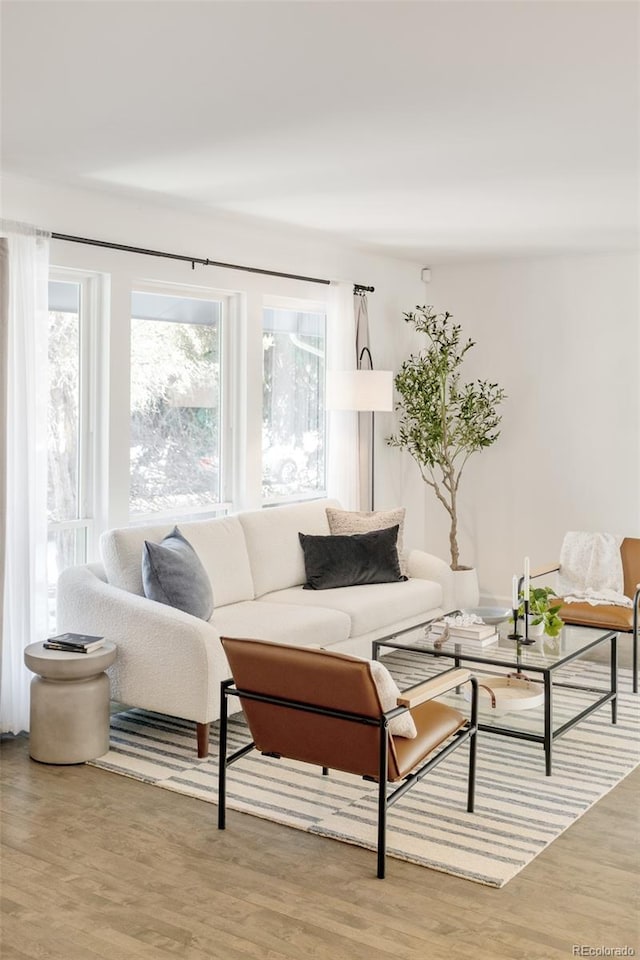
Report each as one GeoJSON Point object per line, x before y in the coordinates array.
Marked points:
{"type": "Point", "coordinates": [179, 256]}
{"type": "Point", "coordinates": [193, 260]}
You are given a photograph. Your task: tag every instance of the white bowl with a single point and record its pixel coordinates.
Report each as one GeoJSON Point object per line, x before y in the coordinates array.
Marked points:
{"type": "Point", "coordinates": [490, 614]}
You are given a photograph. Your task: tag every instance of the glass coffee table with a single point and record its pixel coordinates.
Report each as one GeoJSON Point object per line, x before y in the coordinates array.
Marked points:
{"type": "Point", "coordinates": [536, 666]}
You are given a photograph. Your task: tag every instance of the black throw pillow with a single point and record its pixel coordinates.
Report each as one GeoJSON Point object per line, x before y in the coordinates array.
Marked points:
{"type": "Point", "coordinates": [349, 561]}
{"type": "Point", "coordinates": [172, 573]}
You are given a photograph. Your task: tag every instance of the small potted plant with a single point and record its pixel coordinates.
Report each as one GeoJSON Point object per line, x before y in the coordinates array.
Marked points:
{"type": "Point", "coordinates": [543, 612]}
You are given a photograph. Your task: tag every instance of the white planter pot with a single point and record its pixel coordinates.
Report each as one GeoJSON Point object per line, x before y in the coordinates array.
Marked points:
{"type": "Point", "coordinates": [466, 592]}
{"type": "Point", "coordinates": [536, 629]}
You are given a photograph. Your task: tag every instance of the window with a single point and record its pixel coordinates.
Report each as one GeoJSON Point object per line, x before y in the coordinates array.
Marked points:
{"type": "Point", "coordinates": [201, 434]}
{"type": "Point", "coordinates": [176, 404]}
{"type": "Point", "coordinates": [293, 434]}
{"type": "Point", "coordinates": [68, 457]}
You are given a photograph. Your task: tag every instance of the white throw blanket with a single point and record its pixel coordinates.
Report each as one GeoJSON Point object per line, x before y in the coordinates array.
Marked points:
{"type": "Point", "coordinates": [591, 569]}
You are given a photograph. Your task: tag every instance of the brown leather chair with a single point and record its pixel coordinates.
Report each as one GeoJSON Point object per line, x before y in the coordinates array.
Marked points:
{"type": "Point", "coordinates": [323, 708]}
{"type": "Point", "coordinates": [609, 616]}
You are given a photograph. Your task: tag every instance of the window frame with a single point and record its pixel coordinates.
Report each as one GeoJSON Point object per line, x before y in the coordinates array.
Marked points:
{"type": "Point", "coordinates": [299, 305]}
{"type": "Point", "coordinates": [89, 458]}
{"type": "Point", "coordinates": [91, 495]}
{"type": "Point", "coordinates": [229, 308]}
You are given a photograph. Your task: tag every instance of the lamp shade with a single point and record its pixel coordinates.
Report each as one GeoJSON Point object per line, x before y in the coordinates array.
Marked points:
{"type": "Point", "coordinates": [360, 390]}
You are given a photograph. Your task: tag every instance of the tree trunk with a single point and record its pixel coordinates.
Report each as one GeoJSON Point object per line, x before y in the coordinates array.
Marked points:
{"type": "Point", "coordinates": [453, 535]}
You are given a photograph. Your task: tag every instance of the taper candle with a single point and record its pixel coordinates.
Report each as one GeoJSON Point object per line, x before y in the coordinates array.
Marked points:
{"type": "Point", "coordinates": [526, 578]}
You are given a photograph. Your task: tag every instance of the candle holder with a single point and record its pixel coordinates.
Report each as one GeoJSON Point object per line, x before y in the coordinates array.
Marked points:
{"type": "Point", "coordinates": [515, 635]}
{"type": "Point", "coordinates": [526, 639]}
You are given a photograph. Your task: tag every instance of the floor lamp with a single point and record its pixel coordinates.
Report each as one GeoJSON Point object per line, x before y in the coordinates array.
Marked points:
{"type": "Point", "coordinates": [363, 391]}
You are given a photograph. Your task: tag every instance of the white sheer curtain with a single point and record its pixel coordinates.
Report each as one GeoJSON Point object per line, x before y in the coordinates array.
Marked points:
{"type": "Point", "coordinates": [24, 385]}
{"type": "Point", "coordinates": [342, 426]}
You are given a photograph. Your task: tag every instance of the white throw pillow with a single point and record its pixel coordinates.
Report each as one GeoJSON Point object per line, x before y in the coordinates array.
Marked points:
{"type": "Point", "coordinates": [347, 522]}
{"type": "Point", "coordinates": [388, 691]}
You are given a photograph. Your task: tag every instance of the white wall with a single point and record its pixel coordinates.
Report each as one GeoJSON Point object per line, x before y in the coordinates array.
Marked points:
{"type": "Point", "coordinates": [562, 336]}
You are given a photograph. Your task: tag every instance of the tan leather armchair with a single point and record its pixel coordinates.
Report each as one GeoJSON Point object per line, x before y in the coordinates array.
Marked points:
{"type": "Point", "coordinates": [323, 708]}
{"type": "Point", "coordinates": [609, 616]}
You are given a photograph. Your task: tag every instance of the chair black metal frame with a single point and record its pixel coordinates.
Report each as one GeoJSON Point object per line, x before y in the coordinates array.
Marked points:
{"type": "Point", "coordinates": [467, 732]}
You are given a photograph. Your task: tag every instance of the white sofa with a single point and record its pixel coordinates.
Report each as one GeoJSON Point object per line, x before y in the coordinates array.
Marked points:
{"type": "Point", "coordinates": [173, 663]}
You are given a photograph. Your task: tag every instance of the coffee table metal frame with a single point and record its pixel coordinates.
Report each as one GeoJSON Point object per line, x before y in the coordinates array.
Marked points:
{"type": "Point", "coordinates": [484, 657]}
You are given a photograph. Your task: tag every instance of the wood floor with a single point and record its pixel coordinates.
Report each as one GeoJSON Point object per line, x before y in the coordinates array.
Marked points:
{"type": "Point", "coordinates": [98, 866]}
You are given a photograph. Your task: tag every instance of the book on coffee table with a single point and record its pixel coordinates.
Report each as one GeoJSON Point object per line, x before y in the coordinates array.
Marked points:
{"type": "Point", "coordinates": [481, 642]}
{"type": "Point", "coordinates": [474, 631]}
{"type": "Point", "coordinates": [437, 639]}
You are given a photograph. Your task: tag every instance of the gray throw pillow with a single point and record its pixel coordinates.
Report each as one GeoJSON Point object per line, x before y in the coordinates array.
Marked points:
{"type": "Point", "coordinates": [172, 573]}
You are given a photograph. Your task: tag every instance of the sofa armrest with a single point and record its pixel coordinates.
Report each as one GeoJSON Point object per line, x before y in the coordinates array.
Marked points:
{"type": "Point", "coordinates": [168, 661]}
{"type": "Point", "coordinates": [426, 566]}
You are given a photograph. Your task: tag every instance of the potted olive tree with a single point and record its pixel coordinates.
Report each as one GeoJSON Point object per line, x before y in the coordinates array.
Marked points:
{"type": "Point", "coordinates": [443, 421]}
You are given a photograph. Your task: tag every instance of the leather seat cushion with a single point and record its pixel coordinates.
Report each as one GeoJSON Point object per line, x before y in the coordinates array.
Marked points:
{"type": "Point", "coordinates": [607, 616]}
{"type": "Point", "coordinates": [435, 723]}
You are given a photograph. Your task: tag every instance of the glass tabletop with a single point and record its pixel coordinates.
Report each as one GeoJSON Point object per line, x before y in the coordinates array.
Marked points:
{"type": "Point", "coordinates": [544, 653]}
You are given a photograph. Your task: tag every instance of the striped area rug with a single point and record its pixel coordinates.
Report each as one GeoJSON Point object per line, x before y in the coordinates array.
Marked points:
{"type": "Point", "coordinates": [518, 813]}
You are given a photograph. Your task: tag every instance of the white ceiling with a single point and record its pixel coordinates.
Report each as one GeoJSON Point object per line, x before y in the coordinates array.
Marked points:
{"type": "Point", "coordinates": [425, 130]}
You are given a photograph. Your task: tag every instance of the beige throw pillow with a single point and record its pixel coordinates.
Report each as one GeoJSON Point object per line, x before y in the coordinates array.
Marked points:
{"type": "Point", "coordinates": [348, 522]}
{"type": "Point", "coordinates": [388, 692]}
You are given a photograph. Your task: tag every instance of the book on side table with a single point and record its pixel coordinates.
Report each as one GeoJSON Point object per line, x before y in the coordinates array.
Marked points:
{"type": "Point", "coordinates": [74, 642]}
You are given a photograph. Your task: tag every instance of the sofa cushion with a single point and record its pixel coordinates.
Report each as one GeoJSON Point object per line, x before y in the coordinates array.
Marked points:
{"type": "Point", "coordinates": [282, 623]}
{"type": "Point", "coordinates": [369, 607]}
{"type": "Point", "coordinates": [274, 549]}
{"type": "Point", "coordinates": [347, 522]}
{"type": "Point", "coordinates": [219, 544]}
{"type": "Point", "coordinates": [173, 574]}
{"type": "Point", "coordinates": [354, 560]}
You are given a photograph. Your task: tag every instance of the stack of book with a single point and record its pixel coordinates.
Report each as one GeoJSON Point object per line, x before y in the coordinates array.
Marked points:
{"type": "Point", "coordinates": [74, 642]}
{"type": "Point", "coordinates": [481, 633]}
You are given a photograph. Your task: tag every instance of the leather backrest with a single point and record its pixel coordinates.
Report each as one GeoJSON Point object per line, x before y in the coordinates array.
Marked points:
{"type": "Point", "coordinates": [319, 678]}
{"type": "Point", "coordinates": [630, 553]}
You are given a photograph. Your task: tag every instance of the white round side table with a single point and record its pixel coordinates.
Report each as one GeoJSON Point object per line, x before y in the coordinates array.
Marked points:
{"type": "Point", "coordinates": [69, 703]}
